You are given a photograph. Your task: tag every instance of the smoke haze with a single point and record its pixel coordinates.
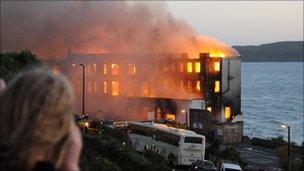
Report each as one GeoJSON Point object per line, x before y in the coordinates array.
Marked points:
{"type": "Point", "coordinates": [51, 29]}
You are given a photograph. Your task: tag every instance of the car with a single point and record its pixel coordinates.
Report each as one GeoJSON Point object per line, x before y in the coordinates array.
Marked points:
{"type": "Point", "coordinates": [202, 165]}
{"type": "Point", "coordinates": [230, 166]}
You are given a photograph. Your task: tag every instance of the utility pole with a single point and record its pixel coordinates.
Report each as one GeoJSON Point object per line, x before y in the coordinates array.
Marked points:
{"type": "Point", "coordinates": [289, 164]}
{"type": "Point", "coordinates": [288, 145]}
{"type": "Point", "coordinates": [83, 88]}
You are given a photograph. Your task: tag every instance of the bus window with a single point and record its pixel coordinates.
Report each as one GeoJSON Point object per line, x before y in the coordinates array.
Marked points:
{"type": "Point", "coordinates": [167, 138]}
{"type": "Point", "coordinates": [195, 140]}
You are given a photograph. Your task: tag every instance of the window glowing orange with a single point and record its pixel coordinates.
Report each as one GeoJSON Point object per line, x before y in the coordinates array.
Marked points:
{"type": "Point", "coordinates": [131, 88]}
{"type": "Point", "coordinates": [189, 67]}
{"type": "Point", "coordinates": [56, 70]}
{"type": "Point", "coordinates": [145, 89]}
{"type": "Point", "coordinates": [95, 86]}
{"type": "Point", "coordinates": [198, 86]}
{"type": "Point", "coordinates": [89, 87]}
{"type": "Point", "coordinates": [181, 67]}
{"type": "Point", "coordinates": [105, 87]}
{"type": "Point", "coordinates": [189, 86]}
{"type": "Point", "coordinates": [94, 67]}
{"type": "Point", "coordinates": [115, 69]}
{"type": "Point", "coordinates": [197, 67]}
{"type": "Point", "coordinates": [227, 112]}
{"type": "Point", "coordinates": [217, 66]}
{"type": "Point", "coordinates": [131, 69]}
{"type": "Point", "coordinates": [173, 67]}
{"type": "Point", "coordinates": [217, 86]}
{"type": "Point", "coordinates": [105, 69]}
{"type": "Point", "coordinates": [115, 88]}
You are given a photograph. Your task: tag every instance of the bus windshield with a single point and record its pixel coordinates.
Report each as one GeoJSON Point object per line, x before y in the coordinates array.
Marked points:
{"type": "Point", "coordinates": [195, 140]}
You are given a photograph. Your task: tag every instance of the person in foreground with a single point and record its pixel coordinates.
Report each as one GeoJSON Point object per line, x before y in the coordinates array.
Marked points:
{"type": "Point", "coordinates": [37, 131]}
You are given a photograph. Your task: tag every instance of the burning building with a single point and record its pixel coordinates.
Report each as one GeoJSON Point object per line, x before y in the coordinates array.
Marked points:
{"type": "Point", "coordinates": [203, 92]}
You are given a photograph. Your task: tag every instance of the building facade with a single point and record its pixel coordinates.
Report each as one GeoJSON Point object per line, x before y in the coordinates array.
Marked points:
{"type": "Point", "coordinates": [203, 92]}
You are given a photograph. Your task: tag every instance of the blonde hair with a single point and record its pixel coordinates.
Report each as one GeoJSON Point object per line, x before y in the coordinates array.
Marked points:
{"type": "Point", "coordinates": [35, 117]}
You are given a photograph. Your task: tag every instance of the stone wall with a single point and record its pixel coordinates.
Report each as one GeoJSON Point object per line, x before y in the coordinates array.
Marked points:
{"type": "Point", "coordinates": [229, 133]}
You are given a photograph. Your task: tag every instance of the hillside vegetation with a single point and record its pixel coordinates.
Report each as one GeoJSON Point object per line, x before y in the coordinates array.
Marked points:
{"type": "Point", "coordinates": [291, 51]}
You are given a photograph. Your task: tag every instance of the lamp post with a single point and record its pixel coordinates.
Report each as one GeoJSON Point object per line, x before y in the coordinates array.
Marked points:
{"type": "Point", "coordinates": [288, 127]}
{"type": "Point", "coordinates": [83, 88]}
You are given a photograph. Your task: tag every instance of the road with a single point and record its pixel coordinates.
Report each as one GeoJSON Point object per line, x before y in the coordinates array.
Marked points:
{"type": "Point", "coordinates": [258, 159]}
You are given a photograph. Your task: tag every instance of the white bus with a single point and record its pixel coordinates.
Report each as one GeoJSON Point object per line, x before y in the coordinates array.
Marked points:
{"type": "Point", "coordinates": [178, 146]}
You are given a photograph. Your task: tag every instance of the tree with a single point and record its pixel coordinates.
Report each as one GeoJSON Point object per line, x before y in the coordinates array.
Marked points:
{"type": "Point", "coordinates": [13, 62]}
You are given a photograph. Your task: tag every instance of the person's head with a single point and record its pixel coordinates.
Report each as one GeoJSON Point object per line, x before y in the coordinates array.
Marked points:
{"type": "Point", "coordinates": [35, 119]}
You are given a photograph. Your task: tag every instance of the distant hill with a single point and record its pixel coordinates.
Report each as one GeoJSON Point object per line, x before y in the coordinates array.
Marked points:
{"type": "Point", "coordinates": [290, 51]}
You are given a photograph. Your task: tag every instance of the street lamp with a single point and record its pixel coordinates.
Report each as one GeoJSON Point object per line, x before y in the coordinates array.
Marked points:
{"type": "Point", "coordinates": [288, 127]}
{"type": "Point", "coordinates": [83, 87]}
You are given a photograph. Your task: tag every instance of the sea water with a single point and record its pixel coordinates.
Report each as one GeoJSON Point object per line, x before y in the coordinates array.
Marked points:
{"type": "Point", "coordinates": [272, 94]}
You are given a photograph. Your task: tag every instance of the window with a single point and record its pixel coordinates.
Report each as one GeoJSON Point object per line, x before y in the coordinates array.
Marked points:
{"type": "Point", "coordinates": [189, 67]}
{"type": "Point", "coordinates": [56, 70]}
{"type": "Point", "coordinates": [217, 86]}
{"type": "Point", "coordinates": [115, 88]}
{"type": "Point", "coordinates": [115, 69]}
{"type": "Point", "coordinates": [131, 88]}
{"type": "Point", "coordinates": [89, 87]}
{"type": "Point", "coordinates": [167, 138]}
{"type": "Point", "coordinates": [141, 130]}
{"type": "Point", "coordinates": [189, 86]}
{"type": "Point", "coordinates": [131, 69]}
{"type": "Point", "coordinates": [217, 66]}
{"type": "Point", "coordinates": [145, 88]}
{"type": "Point", "coordinates": [227, 112]}
{"type": "Point", "coordinates": [94, 67]}
{"type": "Point", "coordinates": [209, 109]}
{"type": "Point", "coordinates": [197, 67]}
{"type": "Point", "coordinates": [105, 87]}
{"type": "Point", "coordinates": [181, 67]}
{"type": "Point", "coordinates": [172, 67]}
{"type": "Point", "coordinates": [95, 86]}
{"type": "Point", "coordinates": [195, 140]}
{"type": "Point", "coordinates": [105, 69]}
{"type": "Point", "coordinates": [198, 86]}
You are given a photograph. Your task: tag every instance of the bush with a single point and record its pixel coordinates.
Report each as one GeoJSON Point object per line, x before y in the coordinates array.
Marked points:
{"type": "Point", "coordinates": [231, 154]}
{"type": "Point", "coordinates": [269, 143]}
{"type": "Point", "coordinates": [108, 153]}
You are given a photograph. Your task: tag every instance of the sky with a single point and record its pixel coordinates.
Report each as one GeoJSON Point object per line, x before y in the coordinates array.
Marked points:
{"type": "Point", "coordinates": [243, 23]}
